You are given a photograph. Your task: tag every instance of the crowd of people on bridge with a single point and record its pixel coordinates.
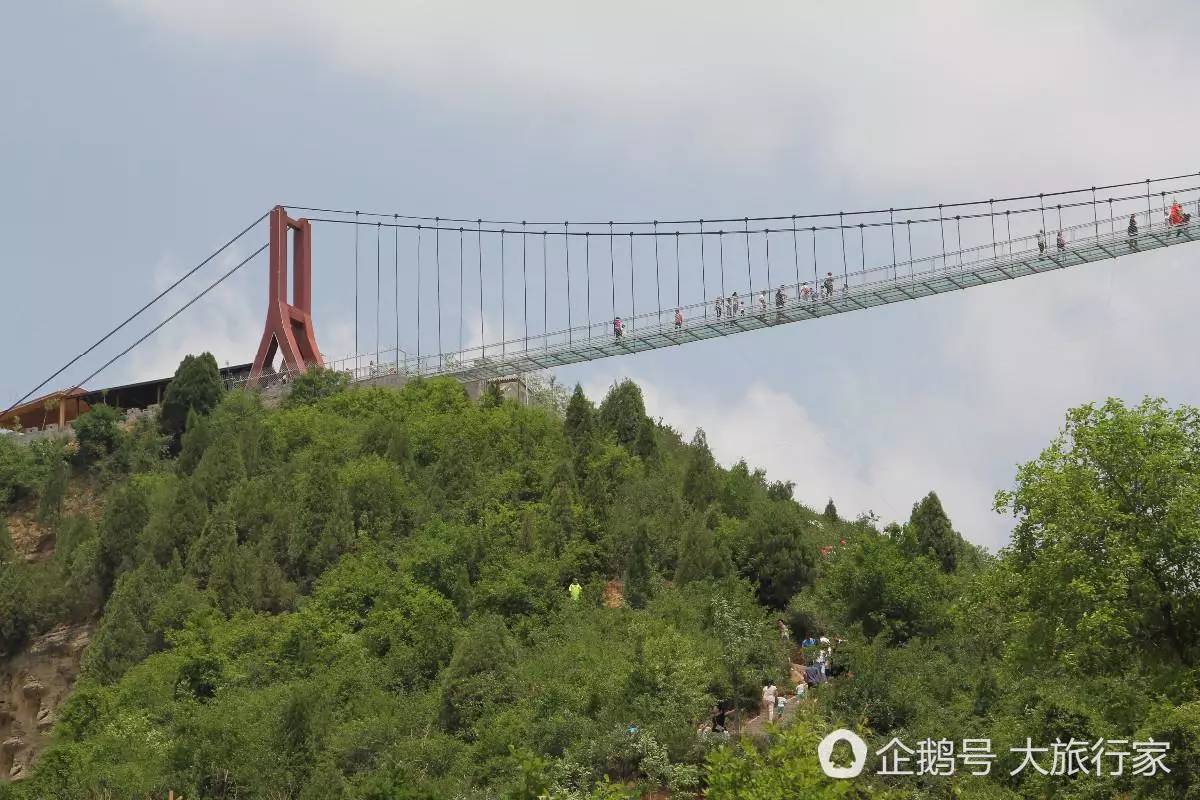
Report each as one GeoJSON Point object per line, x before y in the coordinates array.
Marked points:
{"type": "Point", "coordinates": [734, 306]}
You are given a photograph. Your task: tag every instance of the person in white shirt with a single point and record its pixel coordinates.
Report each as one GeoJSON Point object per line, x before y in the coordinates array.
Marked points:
{"type": "Point", "coordinates": [769, 695]}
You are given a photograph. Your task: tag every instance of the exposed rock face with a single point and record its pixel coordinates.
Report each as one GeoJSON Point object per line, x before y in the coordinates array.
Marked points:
{"type": "Point", "coordinates": [34, 541]}
{"type": "Point", "coordinates": [33, 684]}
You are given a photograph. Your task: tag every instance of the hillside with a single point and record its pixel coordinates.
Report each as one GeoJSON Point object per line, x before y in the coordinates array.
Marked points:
{"type": "Point", "coordinates": [365, 594]}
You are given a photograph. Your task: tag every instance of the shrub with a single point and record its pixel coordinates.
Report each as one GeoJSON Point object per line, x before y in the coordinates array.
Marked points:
{"type": "Point", "coordinates": [98, 433]}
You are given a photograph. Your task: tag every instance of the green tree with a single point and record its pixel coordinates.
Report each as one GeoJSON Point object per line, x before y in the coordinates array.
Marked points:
{"type": "Point", "coordinates": [561, 518]}
{"type": "Point", "coordinates": [831, 512]}
{"type": "Point", "coordinates": [622, 412]}
{"type": "Point", "coordinates": [700, 477]}
{"type": "Point", "coordinates": [781, 490]}
{"type": "Point", "coordinates": [780, 557]}
{"type": "Point", "coordinates": [125, 514]}
{"type": "Point", "coordinates": [314, 384]}
{"type": "Point", "coordinates": [175, 526]}
{"type": "Point", "coordinates": [196, 386]}
{"type": "Point", "coordinates": [196, 437]}
{"type": "Point", "coordinates": [126, 634]}
{"type": "Point", "coordinates": [580, 423]}
{"type": "Point", "coordinates": [20, 473]}
{"type": "Point", "coordinates": [646, 446]}
{"type": "Point", "coordinates": [479, 676]}
{"type": "Point", "coordinates": [98, 433]}
{"type": "Point", "coordinates": [1107, 539]}
{"type": "Point", "coordinates": [639, 573]}
{"type": "Point", "coordinates": [221, 468]}
{"type": "Point", "coordinates": [876, 585]}
{"type": "Point", "coordinates": [215, 544]}
{"type": "Point", "coordinates": [933, 532]}
{"type": "Point", "coordinates": [701, 557]}
{"type": "Point", "coordinates": [53, 491]}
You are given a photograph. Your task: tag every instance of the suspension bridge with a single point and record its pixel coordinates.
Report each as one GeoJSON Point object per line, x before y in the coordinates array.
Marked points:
{"type": "Point", "coordinates": [478, 299]}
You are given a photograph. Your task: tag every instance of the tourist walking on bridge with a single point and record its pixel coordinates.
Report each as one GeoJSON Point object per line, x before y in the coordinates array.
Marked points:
{"type": "Point", "coordinates": [1041, 242]}
{"type": "Point", "coordinates": [719, 305]}
{"type": "Point", "coordinates": [1131, 233]}
{"type": "Point", "coordinates": [678, 319]}
{"type": "Point", "coordinates": [828, 285]}
{"type": "Point", "coordinates": [1061, 242]}
{"type": "Point", "coordinates": [1177, 218]}
{"type": "Point", "coordinates": [618, 328]}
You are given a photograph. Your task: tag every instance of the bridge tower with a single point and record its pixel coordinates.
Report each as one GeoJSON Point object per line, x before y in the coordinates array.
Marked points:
{"type": "Point", "coordinates": [289, 328]}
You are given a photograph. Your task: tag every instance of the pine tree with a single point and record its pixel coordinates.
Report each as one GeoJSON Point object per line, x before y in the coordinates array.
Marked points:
{"type": "Point", "coordinates": [933, 532]}
{"type": "Point", "coordinates": [215, 545]}
{"type": "Point", "coordinates": [638, 572]}
{"type": "Point", "coordinates": [622, 412]}
{"type": "Point", "coordinates": [177, 528]}
{"type": "Point", "coordinates": [479, 675]}
{"type": "Point", "coordinates": [646, 446]}
{"type": "Point", "coordinates": [196, 386]}
{"type": "Point", "coordinates": [196, 438]}
{"type": "Point", "coordinates": [119, 644]}
{"type": "Point", "coordinates": [580, 424]}
{"type": "Point", "coordinates": [125, 514]}
{"type": "Point", "coordinates": [53, 491]}
{"type": "Point", "coordinates": [700, 475]}
{"type": "Point", "coordinates": [831, 511]}
{"type": "Point", "coordinates": [700, 556]}
{"type": "Point", "coordinates": [220, 469]}
{"type": "Point", "coordinates": [780, 558]}
{"type": "Point", "coordinates": [560, 523]}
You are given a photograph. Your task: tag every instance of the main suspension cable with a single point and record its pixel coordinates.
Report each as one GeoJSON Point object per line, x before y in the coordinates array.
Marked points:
{"type": "Point", "coordinates": [764, 218]}
{"type": "Point", "coordinates": [177, 312]}
{"type": "Point", "coordinates": [139, 312]}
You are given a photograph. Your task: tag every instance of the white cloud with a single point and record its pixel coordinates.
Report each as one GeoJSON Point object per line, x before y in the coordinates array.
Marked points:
{"type": "Point", "coordinates": [776, 433]}
{"type": "Point", "coordinates": [883, 96]}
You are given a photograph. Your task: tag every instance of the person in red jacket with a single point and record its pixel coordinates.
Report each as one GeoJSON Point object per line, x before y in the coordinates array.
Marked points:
{"type": "Point", "coordinates": [1177, 218]}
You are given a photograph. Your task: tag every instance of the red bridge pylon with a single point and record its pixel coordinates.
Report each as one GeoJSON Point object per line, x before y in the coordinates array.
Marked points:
{"type": "Point", "coordinates": [289, 327]}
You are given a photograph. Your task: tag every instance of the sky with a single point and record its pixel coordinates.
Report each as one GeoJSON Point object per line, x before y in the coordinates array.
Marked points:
{"type": "Point", "coordinates": [141, 134]}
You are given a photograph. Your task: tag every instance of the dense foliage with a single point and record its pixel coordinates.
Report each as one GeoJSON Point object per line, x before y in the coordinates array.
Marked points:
{"type": "Point", "coordinates": [196, 387]}
{"type": "Point", "coordinates": [363, 594]}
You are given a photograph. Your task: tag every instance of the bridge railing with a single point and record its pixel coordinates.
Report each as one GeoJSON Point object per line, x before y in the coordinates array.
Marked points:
{"type": "Point", "coordinates": [656, 322]}
{"type": "Point", "coordinates": [996, 252]}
